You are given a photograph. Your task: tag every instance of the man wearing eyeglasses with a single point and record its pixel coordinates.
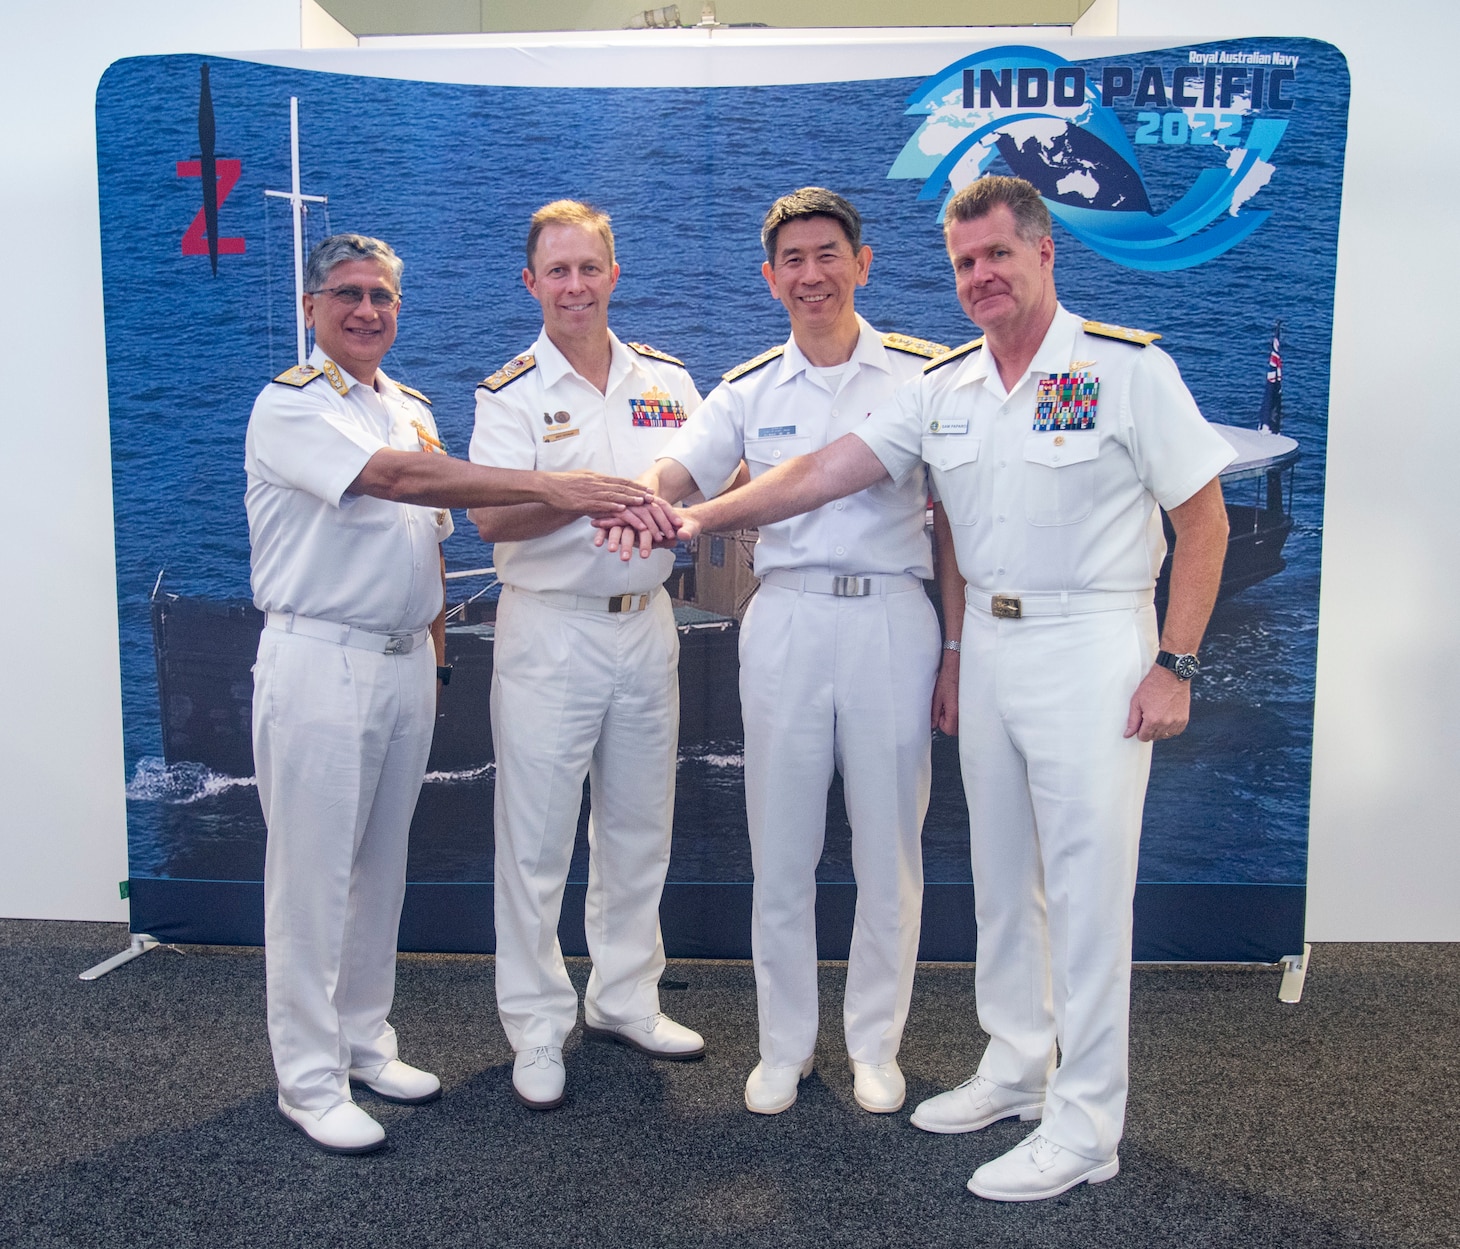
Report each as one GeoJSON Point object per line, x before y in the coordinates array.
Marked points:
{"type": "Point", "coordinates": [347, 498]}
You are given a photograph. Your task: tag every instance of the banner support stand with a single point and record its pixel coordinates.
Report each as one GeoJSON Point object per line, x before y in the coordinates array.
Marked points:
{"type": "Point", "coordinates": [141, 943]}
{"type": "Point", "coordinates": [1295, 971]}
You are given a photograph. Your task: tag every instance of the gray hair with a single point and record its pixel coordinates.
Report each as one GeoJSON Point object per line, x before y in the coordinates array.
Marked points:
{"type": "Point", "coordinates": [339, 248]}
{"type": "Point", "coordinates": [810, 201]}
{"type": "Point", "coordinates": [982, 196]}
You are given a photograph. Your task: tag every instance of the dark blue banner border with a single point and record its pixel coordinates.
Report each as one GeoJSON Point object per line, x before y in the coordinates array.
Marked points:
{"type": "Point", "coordinates": [1205, 923]}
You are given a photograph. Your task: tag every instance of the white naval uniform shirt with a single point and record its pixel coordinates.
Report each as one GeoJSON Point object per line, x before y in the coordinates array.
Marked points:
{"type": "Point", "coordinates": [316, 550]}
{"type": "Point", "coordinates": [1054, 510]}
{"type": "Point", "coordinates": [785, 409]}
{"type": "Point", "coordinates": [551, 419]}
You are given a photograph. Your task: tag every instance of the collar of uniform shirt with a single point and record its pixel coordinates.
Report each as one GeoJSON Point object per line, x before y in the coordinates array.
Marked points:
{"type": "Point", "coordinates": [317, 358]}
{"type": "Point", "coordinates": [1053, 356]}
{"type": "Point", "coordinates": [554, 365]}
{"type": "Point", "coordinates": [869, 351]}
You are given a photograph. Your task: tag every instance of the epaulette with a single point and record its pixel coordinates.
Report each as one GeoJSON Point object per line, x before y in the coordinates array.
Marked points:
{"type": "Point", "coordinates": [750, 366]}
{"type": "Point", "coordinates": [299, 375]}
{"type": "Point", "coordinates": [913, 346]}
{"type": "Point", "coordinates": [414, 393]}
{"type": "Point", "coordinates": [949, 356]}
{"type": "Point", "coordinates": [509, 372]}
{"type": "Point", "coordinates": [1141, 338]}
{"type": "Point", "coordinates": [654, 353]}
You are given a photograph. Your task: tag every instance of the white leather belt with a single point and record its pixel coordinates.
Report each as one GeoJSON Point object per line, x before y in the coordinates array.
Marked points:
{"type": "Point", "coordinates": [1055, 603]}
{"type": "Point", "coordinates": [842, 586]}
{"type": "Point", "coordinates": [594, 602]}
{"type": "Point", "coordinates": [346, 635]}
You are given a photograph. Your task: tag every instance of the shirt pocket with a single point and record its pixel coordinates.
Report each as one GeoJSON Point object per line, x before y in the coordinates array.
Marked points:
{"type": "Point", "coordinates": [764, 454]}
{"type": "Point", "coordinates": [953, 461]}
{"type": "Point", "coordinates": [1059, 477]}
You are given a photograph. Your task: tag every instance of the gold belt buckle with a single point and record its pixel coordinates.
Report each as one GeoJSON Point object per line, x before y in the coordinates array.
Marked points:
{"type": "Point", "coordinates": [628, 602]}
{"type": "Point", "coordinates": [1007, 607]}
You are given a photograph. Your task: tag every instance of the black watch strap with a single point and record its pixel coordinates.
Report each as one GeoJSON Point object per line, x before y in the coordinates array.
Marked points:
{"type": "Point", "coordinates": [1184, 666]}
{"type": "Point", "coordinates": [443, 673]}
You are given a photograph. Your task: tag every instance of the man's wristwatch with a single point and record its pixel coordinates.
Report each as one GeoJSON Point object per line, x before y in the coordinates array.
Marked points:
{"type": "Point", "coordinates": [443, 673]}
{"type": "Point", "coordinates": [1184, 666]}
{"type": "Point", "coordinates": [953, 644]}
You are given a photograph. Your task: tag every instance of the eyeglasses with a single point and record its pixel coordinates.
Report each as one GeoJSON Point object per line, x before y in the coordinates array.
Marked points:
{"type": "Point", "coordinates": [380, 298]}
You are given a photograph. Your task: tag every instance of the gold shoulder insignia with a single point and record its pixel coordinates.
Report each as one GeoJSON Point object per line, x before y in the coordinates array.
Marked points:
{"type": "Point", "coordinates": [509, 372]}
{"type": "Point", "coordinates": [414, 393]}
{"type": "Point", "coordinates": [750, 366]}
{"type": "Point", "coordinates": [1141, 338]}
{"type": "Point", "coordinates": [913, 346]}
{"type": "Point", "coordinates": [654, 353]}
{"type": "Point", "coordinates": [949, 356]}
{"type": "Point", "coordinates": [299, 375]}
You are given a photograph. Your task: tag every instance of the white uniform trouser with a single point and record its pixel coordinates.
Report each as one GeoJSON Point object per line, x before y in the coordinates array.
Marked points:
{"type": "Point", "coordinates": [580, 692]}
{"type": "Point", "coordinates": [844, 683]}
{"type": "Point", "coordinates": [1055, 795]}
{"type": "Point", "coordinates": [340, 739]}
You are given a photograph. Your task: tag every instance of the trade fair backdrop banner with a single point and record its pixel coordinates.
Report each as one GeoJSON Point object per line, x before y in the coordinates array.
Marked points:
{"type": "Point", "coordinates": [1195, 191]}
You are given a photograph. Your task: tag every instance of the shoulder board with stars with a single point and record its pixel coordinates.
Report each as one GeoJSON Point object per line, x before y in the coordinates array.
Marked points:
{"type": "Point", "coordinates": [299, 375]}
{"type": "Point", "coordinates": [1141, 338]}
{"type": "Point", "coordinates": [913, 346]}
{"type": "Point", "coordinates": [414, 393]}
{"type": "Point", "coordinates": [949, 356]}
{"type": "Point", "coordinates": [750, 366]}
{"type": "Point", "coordinates": [653, 353]}
{"type": "Point", "coordinates": [509, 372]}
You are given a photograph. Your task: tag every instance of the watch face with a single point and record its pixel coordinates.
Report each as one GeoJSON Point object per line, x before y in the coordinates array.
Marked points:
{"type": "Point", "coordinates": [1186, 666]}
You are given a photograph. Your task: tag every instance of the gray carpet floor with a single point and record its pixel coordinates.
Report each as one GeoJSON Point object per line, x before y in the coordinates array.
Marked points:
{"type": "Point", "coordinates": [139, 1111]}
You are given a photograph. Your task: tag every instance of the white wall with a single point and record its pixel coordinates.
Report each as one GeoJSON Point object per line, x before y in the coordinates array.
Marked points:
{"type": "Point", "coordinates": [1385, 861]}
{"type": "Point", "coordinates": [1384, 852]}
{"type": "Point", "coordinates": [62, 822]}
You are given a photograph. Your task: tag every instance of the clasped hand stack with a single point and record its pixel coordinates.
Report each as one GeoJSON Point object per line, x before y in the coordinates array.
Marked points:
{"type": "Point", "coordinates": [646, 526]}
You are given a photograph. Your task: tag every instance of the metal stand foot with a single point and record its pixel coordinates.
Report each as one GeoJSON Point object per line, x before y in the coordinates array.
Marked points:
{"type": "Point", "coordinates": [141, 943]}
{"type": "Point", "coordinates": [1295, 970]}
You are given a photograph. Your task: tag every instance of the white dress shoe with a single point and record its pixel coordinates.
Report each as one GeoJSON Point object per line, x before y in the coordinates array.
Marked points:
{"type": "Point", "coordinates": [342, 1129]}
{"type": "Point", "coordinates": [974, 1104]}
{"type": "Point", "coordinates": [538, 1077]}
{"type": "Point", "coordinates": [1037, 1168]}
{"type": "Point", "coordinates": [770, 1090]}
{"type": "Point", "coordinates": [878, 1087]}
{"type": "Point", "coordinates": [657, 1035]}
{"type": "Point", "coordinates": [398, 1082]}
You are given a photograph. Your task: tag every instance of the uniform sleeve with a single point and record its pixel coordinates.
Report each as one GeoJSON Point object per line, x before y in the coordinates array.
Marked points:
{"type": "Point", "coordinates": [1176, 452]}
{"type": "Point", "coordinates": [894, 430]}
{"type": "Point", "coordinates": [711, 443]}
{"type": "Point", "coordinates": [300, 440]}
{"type": "Point", "coordinates": [501, 438]}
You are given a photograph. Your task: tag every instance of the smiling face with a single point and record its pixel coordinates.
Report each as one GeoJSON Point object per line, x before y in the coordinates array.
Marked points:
{"type": "Point", "coordinates": [572, 277]}
{"type": "Point", "coordinates": [348, 327]}
{"type": "Point", "coordinates": [1005, 283]}
{"type": "Point", "coordinates": [816, 275]}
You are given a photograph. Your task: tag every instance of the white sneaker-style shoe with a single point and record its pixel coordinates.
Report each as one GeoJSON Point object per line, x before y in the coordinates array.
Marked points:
{"type": "Point", "coordinates": [342, 1129]}
{"type": "Point", "coordinates": [975, 1104]}
{"type": "Point", "coordinates": [1037, 1168]}
{"type": "Point", "coordinates": [770, 1090]}
{"type": "Point", "coordinates": [657, 1035]}
{"type": "Point", "coordinates": [538, 1077]}
{"type": "Point", "coordinates": [878, 1087]}
{"type": "Point", "coordinates": [396, 1081]}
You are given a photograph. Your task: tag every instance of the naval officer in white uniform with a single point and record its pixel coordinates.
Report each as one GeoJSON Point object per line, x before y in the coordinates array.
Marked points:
{"type": "Point", "coordinates": [585, 668]}
{"type": "Point", "coordinates": [1050, 442]}
{"type": "Point", "coordinates": [347, 491]}
{"type": "Point", "coordinates": [838, 654]}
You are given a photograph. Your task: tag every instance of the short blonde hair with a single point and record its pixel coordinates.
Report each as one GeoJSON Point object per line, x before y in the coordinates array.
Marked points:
{"type": "Point", "coordinates": [567, 212]}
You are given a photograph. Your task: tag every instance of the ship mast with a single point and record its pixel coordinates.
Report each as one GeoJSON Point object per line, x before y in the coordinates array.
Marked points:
{"type": "Point", "coordinates": [297, 200]}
